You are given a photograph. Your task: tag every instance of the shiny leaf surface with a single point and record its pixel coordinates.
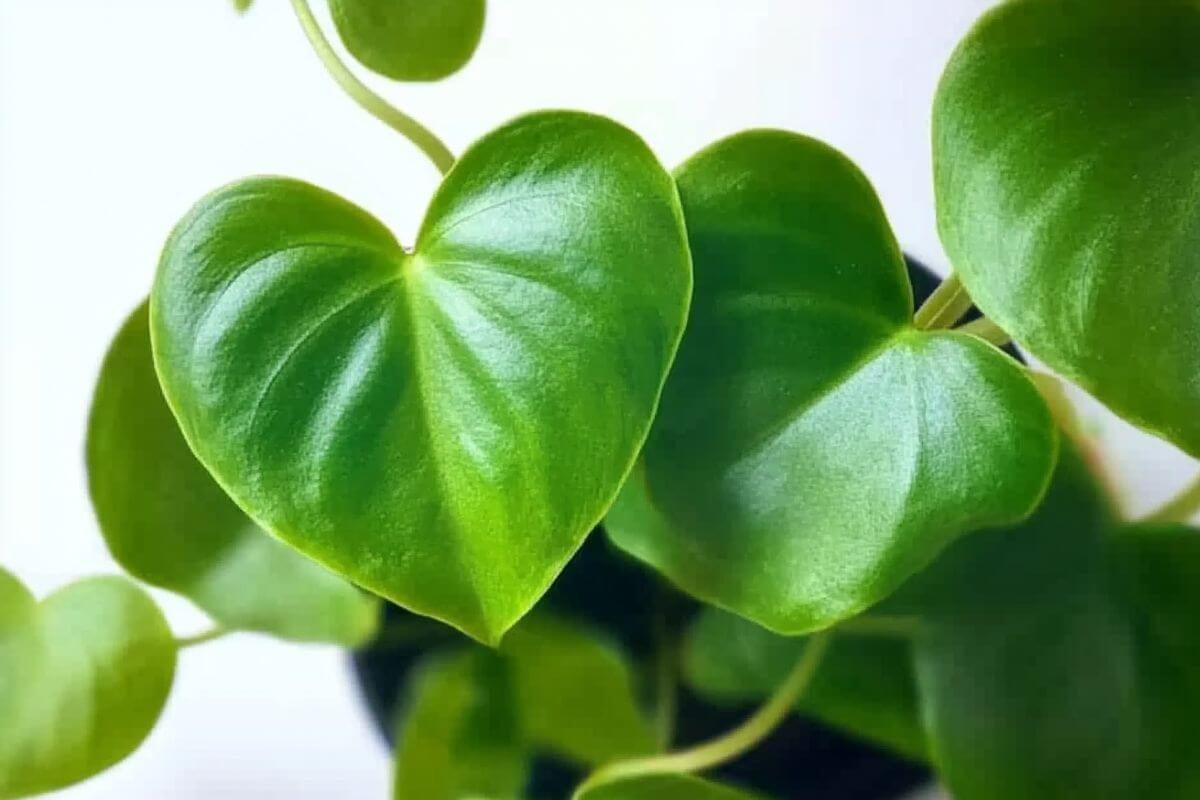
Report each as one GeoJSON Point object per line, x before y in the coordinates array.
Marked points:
{"type": "Point", "coordinates": [813, 448]}
{"type": "Point", "coordinates": [168, 523]}
{"type": "Point", "coordinates": [1067, 160]}
{"type": "Point", "coordinates": [441, 426]}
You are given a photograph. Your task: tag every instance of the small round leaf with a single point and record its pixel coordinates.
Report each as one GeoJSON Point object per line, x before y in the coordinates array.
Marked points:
{"type": "Point", "coordinates": [84, 676]}
{"type": "Point", "coordinates": [443, 425]}
{"type": "Point", "coordinates": [410, 40]}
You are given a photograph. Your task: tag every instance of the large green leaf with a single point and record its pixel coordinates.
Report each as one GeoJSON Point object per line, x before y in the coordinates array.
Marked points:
{"type": "Point", "coordinates": [1057, 659]}
{"type": "Point", "coordinates": [168, 523]}
{"type": "Point", "coordinates": [1067, 156]}
{"type": "Point", "coordinates": [813, 448]}
{"type": "Point", "coordinates": [459, 737]}
{"type": "Point", "coordinates": [864, 685]}
{"type": "Point", "coordinates": [410, 40]}
{"type": "Point", "coordinates": [575, 693]}
{"type": "Point", "coordinates": [83, 678]}
{"type": "Point", "coordinates": [442, 426]}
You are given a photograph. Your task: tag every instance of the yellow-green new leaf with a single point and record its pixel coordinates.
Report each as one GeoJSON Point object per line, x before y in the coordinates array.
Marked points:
{"type": "Point", "coordinates": [83, 677]}
{"type": "Point", "coordinates": [410, 40]}
{"type": "Point", "coordinates": [814, 448]}
{"type": "Point", "coordinates": [1067, 166]}
{"type": "Point", "coordinates": [458, 737]}
{"type": "Point", "coordinates": [168, 523]}
{"type": "Point", "coordinates": [441, 425]}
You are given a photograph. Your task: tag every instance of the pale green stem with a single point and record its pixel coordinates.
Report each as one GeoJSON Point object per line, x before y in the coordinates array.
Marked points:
{"type": "Point", "coordinates": [730, 745]}
{"type": "Point", "coordinates": [987, 330]}
{"type": "Point", "coordinates": [945, 306]}
{"type": "Point", "coordinates": [201, 638]}
{"type": "Point", "coordinates": [375, 105]}
{"type": "Point", "coordinates": [1180, 508]}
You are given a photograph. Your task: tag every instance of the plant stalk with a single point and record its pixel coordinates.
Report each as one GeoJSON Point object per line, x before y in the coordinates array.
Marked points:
{"type": "Point", "coordinates": [381, 109]}
{"type": "Point", "coordinates": [987, 330]}
{"type": "Point", "coordinates": [945, 306]}
{"type": "Point", "coordinates": [732, 744]}
{"type": "Point", "coordinates": [200, 638]}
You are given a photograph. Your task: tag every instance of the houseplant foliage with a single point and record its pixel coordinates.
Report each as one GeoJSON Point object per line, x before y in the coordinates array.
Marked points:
{"type": "Point", "coordinates": [846, 505]}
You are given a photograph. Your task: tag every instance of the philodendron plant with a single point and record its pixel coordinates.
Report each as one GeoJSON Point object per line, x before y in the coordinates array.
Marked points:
{"type": "Point", "coordinates": [844, 507]}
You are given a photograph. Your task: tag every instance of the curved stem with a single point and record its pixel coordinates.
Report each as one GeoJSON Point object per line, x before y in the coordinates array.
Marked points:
{"type": "Point", "coordinates": [201, 638]}
{"type": "Point", "coordinates": [945, 306]}
{"type": "Point", "coordinates": [732, 744]}
{"type": "Point", "coordinates": [987, 330]}
{"type": "Point", "coordinates": [1179, 508]}
{"type": "Point", "coordinates": [381, 109]}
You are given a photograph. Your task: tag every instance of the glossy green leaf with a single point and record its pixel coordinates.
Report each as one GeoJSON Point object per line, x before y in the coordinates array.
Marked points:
{"type": "Point", "coordinates": [665, 787]}
{"type": "Point", "coordinates": [442, 426]}
{"type": "Point", "coordinates": [410, 40]}
{"type": "Point", "coordinates": [865, 685]}
{"type": "Point", "coordinates": [83, 677]}
{"type": "Point", "coordinates": [168, 523]}
{"type": "Point", "coordinates": [458, 737]}
{"type": "Point", "coordinates": [813, 448]}
{"type": "Point", "coordinates": [1057, 659]}
{"type": "Point", "coordinates": [575, 693]}
{"type": "Point", "coordinates": [1067, 160]}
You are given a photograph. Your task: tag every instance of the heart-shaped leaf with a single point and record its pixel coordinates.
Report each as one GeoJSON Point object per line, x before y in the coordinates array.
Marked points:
{"type": "Point", "coordinates": [458, 738]}
{"type": "Point", "coordinates": [83, 678]}
{"type": "Point", "coordinates": [664, 787]}
{"type": "Point", "coordinates": [864, 685]}
{"type": "Point", "coordinates": [410, 40]}
{"type": "Point", "coordinates": [1067, 160]}
{"type": "Point", "coordinates": [813, 448]}
{"type": "Point", "coordinates": [1058, 659]}
{"type": "Point", "coordinates": [575, 692]}
{"type": "Point", "coordinates": [442, 426]}
{"type": "Point", "coordinates": [168, 523]}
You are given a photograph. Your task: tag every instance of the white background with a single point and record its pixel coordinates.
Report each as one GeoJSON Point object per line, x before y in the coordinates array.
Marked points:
{"type": "Point", "coordinates": [116, 116]}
